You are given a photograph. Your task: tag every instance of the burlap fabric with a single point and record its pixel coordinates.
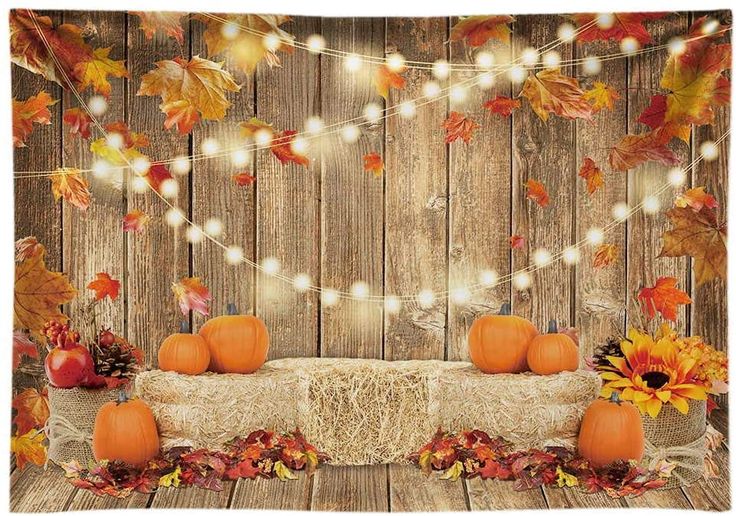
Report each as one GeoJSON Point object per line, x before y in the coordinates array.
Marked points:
{"type": "Point", "coordinates": [678, 438]}
{"type": "Point", "coordinates": [367, 411]}
{"type": "Point", "coordinates": [71, 421]}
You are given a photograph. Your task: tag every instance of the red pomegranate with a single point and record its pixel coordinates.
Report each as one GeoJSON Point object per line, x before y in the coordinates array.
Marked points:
{"type": "Point", "coordinates": [68, 364]}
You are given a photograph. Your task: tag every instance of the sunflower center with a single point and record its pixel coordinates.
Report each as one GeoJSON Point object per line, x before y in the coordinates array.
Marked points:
{"type": "Point", "coordinates": [655, 379]}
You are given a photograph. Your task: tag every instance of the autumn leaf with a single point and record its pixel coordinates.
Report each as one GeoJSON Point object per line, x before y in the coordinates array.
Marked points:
{"type": "Point", "coordinates": [70, 185]}
{"type": "Point", "coordinates": [27, 247]}
{"type": "Point", "coordinates": [624, 25]}
{"type": "Point", "coordinates": [634, 149]}
{"type": "Point", "coordinates": [565, 479]}
{"type": "Point", "coordinates": [536, 192]}
{"type": "Point", "coordinates": [476, 30]}
{"type": "Point", "coordinates": [156, 175]}
{"type": "Point", "coordinates": [457, 125]}
{"type": "Point", "coordinates": [199, 82]}
{"type": "Point", "coordinates": [32, 409]}
{"type": "Point", "coordinates": [33, 110]}
{"type": "Point", "coordinates": [548, 91]}
{"type": "Point", "coordinates": [283, 472]}
{"type": "Point", "coordinates": [592, 175]}
{"type": "Point", "coordinates": [135, 221]}
{"type": "Point", "coordinates": [78, 121]}
{"type": "Point", "coordinates": [501, 105]}
{"type": "Point", "coordinates": [282, 147]}
{"type": "Point", "coordinates": [516, 241]}
{"type": "Point", "coordinates": [696, 199]}
{"type": "Point", "coordinates": [170, 479]}
{"type": "Point", "coordinates": [38, 294]}
{"type": "Point", "coordinates": [191, 294]}
{"type": "Point", "coordinates": [373, 162]}
{"type": "Point", "coordinates": [167, 22]}
{"type": "Point", "coordinates": [132, 142]}
{"type": "Point", "coordinates": [22, 346]}
{"type": "Point", "coordinates": [104, 286]}
{"type": "Point", "coordinates": [697, 234]}
{"type": "Point", "coordinates": [601, 96]}
{"type": "Point", "coordinates": [95, 71]}
{"type": "Point", "coordinates": [664, 297]}
{"type": "Point", "coordinates": [28, 447]}
{"type": "Point", "coordinates": [181, 114]}
{"type": "Point", "coordinates": [384, 79]}
{"type": "Point", "coordinates": [605, 255]}
{"type": "Point", "coordinates": [244, 178]}
{"type": "Point", "coordinates": [249, 128]}
{"type": "Point", "coordinates": [453, 472]}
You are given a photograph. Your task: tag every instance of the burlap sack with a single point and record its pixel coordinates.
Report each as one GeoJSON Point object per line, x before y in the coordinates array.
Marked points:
{"type": "Point", "coordinates": [71, 421]}
{"type": "Point", "coordinates": [678, 438]}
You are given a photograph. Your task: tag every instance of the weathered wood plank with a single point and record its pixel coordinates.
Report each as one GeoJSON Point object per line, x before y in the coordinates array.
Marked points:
{"type": "Point", "coordinates": [352, 199]}
{"type": "Point", "coordinates": [719, 420]}
{"type": "Point", "coordinates": [158, 256]}
{"type": "Point", "coordinates": [490, 495]}
{"type": "Point", "coordinates": [567, 498]}
{"type": "Point", "coordinates": [416, 198]}
{"type": "Point", "coordinates": [660, 498]}
{"type": "Point", "coordinates": [87, 501]}
{"type": "Point", "coordinates": [261, 493]}
{"type": "Point", "coordinates": [35, 489]}
{"type": "Point", "coordinates": [287, 199]}
{"type": "Point", "coordinates": [713, 494]}
{"type": "Point", "coordinates": [351, 489]}
{"type": "Point", "coordinates": [412, 491]}
{"type": "Point", "coordinates": [192, 498]}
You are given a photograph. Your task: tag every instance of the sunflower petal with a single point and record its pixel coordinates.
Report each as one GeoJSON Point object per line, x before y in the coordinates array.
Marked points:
{"type": "Point", "coordinates": [610, 375]}
{"type": "Point", "coordinates": [680, 404]}
{"type": "Point", "coordinates": [617, 362]}
{"type": "Point", "coordinates": [620, 382]}
{"type": "Point", "coordinates": [653, 407]}
{"type": "Point", "coordinates": [696, 392]}
{"type": "Point", "coordinates": [640, 396]}
{"type": "Point", "coordinates": [664, 395]}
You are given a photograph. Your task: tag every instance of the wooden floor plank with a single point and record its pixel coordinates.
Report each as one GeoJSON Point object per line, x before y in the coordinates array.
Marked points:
{"type": "Point", "coordinates": [487, 495]}
{"type": "Point", "coordinates": [193, 498]}
{"type": "Point", "coordinates": [34, 489]}
{"type": "Point", "coordinates": [261, 493]}
{"type": "Point", "coordinates": [412, 491]}
{"type": "Point", "coordinates": [88, 501]}
{"type": "Point", "coordinates": [719, 420]}
{"type": "Point", "coordinates": [712, 494]}
{"type": "Point", "coordinates": [566, 498]}
{"type": "Point", "coordinates": [660, 499]}
{"type": "Point", "coordinates": [351, 488]}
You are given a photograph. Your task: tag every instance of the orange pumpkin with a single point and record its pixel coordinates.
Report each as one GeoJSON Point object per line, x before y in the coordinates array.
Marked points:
{"type": "Point", "coordinates": [184, 353]}
{"type": "Point", "coordinates": [552, 353]}
{"type": "Point", "coordinates": [499, 343]}
{"type": "Point", "coordinates": [611, 430]}
{"type": "Point", "coordinates": [126, 431]}
{"type": "Point", "coordinates": [238, 343]}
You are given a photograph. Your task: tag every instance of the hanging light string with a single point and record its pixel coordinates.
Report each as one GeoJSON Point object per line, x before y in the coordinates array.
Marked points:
{"type": "Point", "coordinates": [235, 255]}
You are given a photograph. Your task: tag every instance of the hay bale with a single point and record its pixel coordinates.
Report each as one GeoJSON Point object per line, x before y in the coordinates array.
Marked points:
{"type": "Point", "coordinates": [367, 411]}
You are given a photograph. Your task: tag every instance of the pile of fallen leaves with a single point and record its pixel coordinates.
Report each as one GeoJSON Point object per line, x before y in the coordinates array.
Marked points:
{"type": "Point", "coordinates": [261, 454]}
{"type": "Point", "coordinates": [474, 454]}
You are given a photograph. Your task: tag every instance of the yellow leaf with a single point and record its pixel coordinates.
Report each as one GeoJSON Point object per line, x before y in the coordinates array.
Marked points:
{"type": "Point", "coordinates": [28, 447]}
{"type": "Point", "coordinates": [170, 480]}
{"type": "Point", "coordinates": [601, 96]}
{"type": "Point", "coordinates": [283, 472]}
{"type": "Point", "coordinates": [548, 91]}
{"type": "Point", "coordinates": [95, 71]}
{"type": "Point", "coordinates": [453, 472]}
{"type": "Point", "coordinates": [69, 184]}
{"type": "Point", "coordinates": [565, 479]}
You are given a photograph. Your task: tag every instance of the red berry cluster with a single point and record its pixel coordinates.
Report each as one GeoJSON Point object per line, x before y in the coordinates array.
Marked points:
{"type": "Point", "coordinates": [105, 338]}
{"type": "Point", "coordinates": [60, 335]}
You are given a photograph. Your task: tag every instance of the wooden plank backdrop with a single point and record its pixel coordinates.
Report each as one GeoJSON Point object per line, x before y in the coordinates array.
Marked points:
{"type": "Point", "coordinates": [439, 215]}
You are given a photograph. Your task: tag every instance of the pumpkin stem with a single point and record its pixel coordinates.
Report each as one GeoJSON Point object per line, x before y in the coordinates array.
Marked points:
{"type": "Point", "coordinates": [552, 326]}
{"type": "Point", "coordinates": [122, 397]}
{"type": "Point", "coordinates": [615, 398]}
{"type": "Point", "coordinates": [232, 309]}
{"type": "Point", "coordinates": [505, 309]}
{"type": "Point", "coordinates": [184, 327]}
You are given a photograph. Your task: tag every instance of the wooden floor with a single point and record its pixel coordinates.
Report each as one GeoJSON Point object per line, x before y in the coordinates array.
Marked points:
{"type": "Point", "coordinates": [369, 488]}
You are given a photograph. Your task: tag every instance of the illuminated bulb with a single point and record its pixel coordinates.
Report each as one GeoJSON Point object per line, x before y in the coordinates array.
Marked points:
{"type": "Point", "coordinates": [234, 255]}
{"type": "Point", "coordinates": [592, 65]}
{"type": "Point", "coordinates": [360, 289]}
{"type": "Point", "coordinates": [330, 297]}
{"type": "Point", "coordinates": [408, 109]}
{"type": "Point", "coordinates": [458, 94]}
{"type": "Point", "coordinates": [431, 89]}
{"type": "Point", "coordinates": [621, 211]}
{"type": "Point", "coordinates": [486, 80]}
{"type": "Point", "coordinates": [392, 304]}
{"type": "Point", "coordinates": [169, 188]}
{"type": "Point", "coordinates": [395, 62]}
{"type": "Point", "coordinates": [314, 125]}
{"type": "Point", "coordinates": [316, 43]}
{"type": "Point", "coordinates": [299, 145]}
{"type": "Point", "coordinates": [101, 169]}
{"type": "Point", "coordinates": [517, 74]}
{"type": "Point", "coordinates": [181, 165]}
{"type": "Point", "coordinates": [194, 235]}
{"type": "Point", "coordinates": [709, 151]}
{"type": "Point", "coordinates": [522, 280]}
{"type": "Point", "coordinates": [270, 265]}
{"type": "Point", "coordinates": [551, 59]}
{"type": "Point", "coordinates": [302, 282]}
{"type": "Point", "coordinates": [441, 69]}
{"type": "Point", "coordinates": [97, 105]}
{"type": "Point", "coordinates": [350, 133]}
{"type": "Point", "coordinates": [372, 112]}
{"type": "Point", "coordinates": [229, 30]}
{"type": "Point", "coordinates": [676, 176]}
{"type": "Point", "coordinates": [485, 59]}
{"type": "Point", "coordinates": [174, 217]}
{"type": "Point", "coordinates": [566, 32]}
{"type": "Point", "coordinates": [139, 184]}
{"type": "Point", "coordinates": [595, 236]}
{"type": "Point", "coordinates": [239, 157]}
{"type": "Point", "coordinates": [272, 41]}
{"type": "Point", "coordinates": [426, 298]}
{"type": "Point", "coordinates": [629, 45]}
{"type": "Point", "coordinates": [353, 63]}
{"type": "Point", "coordinates": [529, 56]}
{"type": "Point", "coordinates": [676, 46]}
{"type": "Point", "coordinates": [263, 137]}
{"type": "Point", "coordinates": [460, 296]}
{"type": "Point", "coordinates": [605, 20]}
{"type": "Point", "coordinates": [571, 255]}
{"type": "Point", "coordinates": [710, 26]}
{"type": "Point", "coordinates": [542, 257]}
{"type": "Point", "coordinates": [140, 165]}
{"type": "Point", "coordinates": [115, 140]}
{"type": "Point", "coordinates": [488, 278]}
{"type": "Point", "coordinates": [210, 146]}
{"type": "Point", "coordinates": [650, 204]}
{"type": "Point", "coordinates": [213, 227]}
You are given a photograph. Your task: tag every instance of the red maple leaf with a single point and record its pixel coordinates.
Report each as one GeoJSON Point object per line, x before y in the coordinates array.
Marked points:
{"type": "Point", "coordinates": [156, 175]}
{"type": "Point", "coordinates": [664, 297]}
{"type": "Point", "coordinates": [536, 192]}
{"type": "Point", "coordinates": [104, 286]}
{"type": "Point", "coordinates": [135, 221]}
{"type": "Point", "coordinates": [457, 125]}
{"type": "Point", "coordinates": [373, 162]}
{"type": "Point", "coordinates": [516, 241]}
{"type": "Point", "coordinates": [592, 175]}
{"type": "Point", "coordinates": [284, 151]}
{"type": "Point", "coordinates": [78, 121]}
{"type": "Point", "coordinates": [243, 178]}
{"type": "Point", "coordinates": [696, 199]}
{"type": "Point", "coordinates": [623, 25]}
{"type": "Point", "coordinates": [502, 105]}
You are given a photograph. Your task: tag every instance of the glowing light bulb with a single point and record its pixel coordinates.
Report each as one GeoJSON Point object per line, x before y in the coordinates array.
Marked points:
{"type": "Point", "coordinates": [140, 165]}
{"type": "Point", "coordinates": [542, 257]}
{"type": "Point", "coordinates": [392, 304]}
{"type": "Point", "coordinates": [709, 151]}
{"type": "Point", "coordinates": [350, 133]}
{"type": "Point", "coordinates": [431, 89]}
{"type": "Point", "coordinates": [239, 157]}
{"type": "Point", "coordinates": [517, 74]}
{"type": "Point", "coordinates": [650, 204]}
{"type": "Point", "coordinates": [710, 26]}
{"type": "Point", "coordinates": [522, 280]}
{"type": "Point", "coordinates": [485, 60]}
{"type": "Point", "coordinates": [115, 140]}
{"type": "Point", "coordinates": [605, 20]}
{"type": "Point", "coordinates": [229, 30]}
{"type": "Point", "coordinates": [194, 235]}
{"type": "Point", "coordinates": [488, 278]}
{"type": "Point", "coordinates": [314, 125]}
{"type": "Point", "coordinates": [316, 43]}
{"type": "Point", "coordinates": [139, 184]}
{"type": "Point", "coordinates": [595, 236]}
{"type": "Point", "coordinates": [353, 63]}
{"type": "Point", "coordinates": [486, 80]}
{"type": "Point", "coordinates": [302, 282]}
{"type": "Point", "coordinates": [174, 217]}
{"type": "Point", "coordinates": [621, 211]}
{"type": "Point", "coordinates": [551, 59]}
{"type": "Point", "coordinates": [395, 62]}
{"type": "Point", "coordinates": [97, 105]}
{"type": "Point", "coordinates": [330, 297]}
{"type": "Point", "coordinates": [263, 137]}
{"type": "Point", "coordinates": [592, 65]}
{"type": "Point", "coordinates": [372, 112]}
{"type": "Point", "coordinates": [213, 227]}
{"type": "Point", "coordinates": [270, 265]}
{"type": "Point", "coordinates": [629, 45]}
{"type": "Point", "coordinates": [169, 188]}
{"type": "Point", "coordinates": [101, 169]}
{"type": "Point", "coordinates": [566, 32]}
{"type": "Point", "coordinates": [234, 255]}
{"type": "Point", "coordinates": [441, 69]}
{"type": "Point", "coordinates": [408, 109]}
{"type": "Point", "coordinates": [571, 255]}
{"type": "Point", "coordinates": [676, 177]}
{"type": "Point", "coordinates": [181, 165]}
{"type": "Point", "coordinates": [271, 41]}
{"type": "Point", "coordinates": [299, 145]}
{"type": "Point", "coordinates": [360, 289]}
{"type": "Point", "coordinates": [461, 296]}
{"type": "Point", "coordinates": [210, 146]}
{"type": "Point", "coordinates": [426, 298]}
{"type": "Point", "coordinates": [458, 94]}
{"type": "Point", "coordinates": [676, 46]}
{"type": "Point", "coordinates": [529, 56]}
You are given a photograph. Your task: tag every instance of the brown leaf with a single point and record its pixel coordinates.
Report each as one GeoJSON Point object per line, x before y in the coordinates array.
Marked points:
{"type": "Point", "coordinates": [167, 22]}
{"type": "Point", "coordinates": [384, 79]}
{"type": "Point", "coordinates": [69, 184]}
{"type": "Point", "coordinates": [536, 192]}
{"type": "Point", "coordinates": [22, 346]}
{"type": "Point", "coordinates": [624, 25]}
{"type": "Point", "coordinates": [605, 255]}
{"type": "Point", "coordinates": [696, 199]}
{"type": "Point", "coordinates": [592, 175]}
{"type": "Point", "coordinates": [78, 121]}
{"type": "Point", "coordinates": [476, 30]}
{"type": "Point", "coordinates": [32, 409]}
{"type": "Point", "coordinates": [548, 91]}
{"type": "Point", "coordinates": [33, 110]}
{"type": "Point", "coordinates": [635, 149]}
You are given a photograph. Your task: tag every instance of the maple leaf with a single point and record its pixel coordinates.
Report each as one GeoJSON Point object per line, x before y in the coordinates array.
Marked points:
{"type": "Point", "coordinates": [283, 149]}
{"type": "Point", "coordinates": [592, 175]}
{"type": "Point", "coordinates": [170, 479]}
{"type": "Point", "coordinates": [167, 22]}
{"type": "Point", "coordinates": [78, 121]}
{"type": "Point", "coordinates": [634, 149]}
{"type": "Point", "coordinates": [180, 113]}
{"type": "Point", "coordinates": [28, 447]}
{"type": "Point", "coordinates": [697, 234]}
{"type": "Point", "coordinates": [654, 116]}
{"type": "Point", "coordinates": [244, 178]}
{"type": "Point", "coordinates": [548, 91]}
{"type": "Point", "coordinates": [32, 409]}
{"type": "Point", "coordinates": [249, 128]}
{"type": "Point", "coordinates": [457, 125]}
{"type": "Point", "coordinates": [476, 30]}
{"type": "Point", "coordinates": [191, 294]}
{"type": "Point", "coordinates": [27, 247]}
{"type": "Point", "coordinates": [605, 255]}
{"type": "Point", "coordinates": [132, 142]}
{"type": "Point", "coordinates": [536, 192]}
{"type": "Point", "coordinates": [502, 105]}
{"type": "Point", "coordinates": [722, 91]}
{"type": "Point", "coordinates": [384, 79]}
{"type": "Point", "coordinates": [664, 297]}
{"type": "Point", "coordinates": [373, 162]}
{"type": "Point", "coordinates": [601, 96]}
{"type": "Point", "coordinates": [625, 25]}
{"type": "Point", "coordinates": [696, 199]}
{"type": "Point", "coordinates": [516, 241]}
{"type": "Point", "coordinates": [69, 184]}
{"type": "Point", "coordinates": [156, 175]}
{"type": "Point", "coordinates": [453, 472]}
{"type": "Point", "coordinates": [283, 472]}
{"type": "Point", "coordinates": [200, 82]}
{"type": "Point", "coordinates": [94, 72]}
{"type": "Point", "coordinates": [22, 346]}
{"type": "Point", "coordinates": [565, 479]}
{"type": "Point", "coordinates": [104, 286]}
{"type": "Point", "coordinates": [33, 110]}
{"type": "Point", "coordinates": [135, 221]}
{"type": "Point", "coordinates": [38, 294]}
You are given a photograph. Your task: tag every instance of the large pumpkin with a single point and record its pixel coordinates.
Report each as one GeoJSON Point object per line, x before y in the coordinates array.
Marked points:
{"type": "Point", "coordinates": [184, 353]}
{"type": "Point", "coordinates": [499, 343]}
{"type": "Point", "coordinates": [611, 430]}
{"type": "Point", "coordinates": [552, 353]}
{"type": "Point", "coordinates": [126, 431]}
{"type": "Point", "coordinates": [237, 343]}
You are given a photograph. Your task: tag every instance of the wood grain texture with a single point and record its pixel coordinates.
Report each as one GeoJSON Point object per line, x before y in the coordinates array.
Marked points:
{"type": "Point", "coordinates": [193, 497]}
{"type": "Point", "coordinates": [660, 499]}
{"type": "Point", "coordinates": [88, 501]}
{"type": "Point", "coordinates": [491, 495]}
{"type": "Point", "coordinates": [413, 491]}
{"type": "Point", "coordinates": [352, 199]}
{"type": "Point", "coordinates": [576, 498]}
{"type": "Point", "coordinates": [34, 489]}
{"type": "Point", "coordinates": [416, 198]}
{"type": "Point", "coordinates": [351, 488]}
{"type": "Point", "coordinates": [712, 494]}
{"type": "Point", "coordinates": [261, 493]}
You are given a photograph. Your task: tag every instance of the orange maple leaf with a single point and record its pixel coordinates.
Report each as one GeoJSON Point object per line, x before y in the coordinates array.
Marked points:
{"type": "Point", "coordinates": [592, 175]}
{"type": "Point", "coordinates": [29, 447]}
{"type": "Point", "coordinates": [457, 125]}
{"type": "Point", "coordinates": [69, 184]}
{"type": "Point", "coordinates": [502, 105]}
{"type": "Point", "coordinates": [283, 149]}
{"type": "Point", "coordinates": [476, 30]}
{"type": "Point", "coordinates": [132, 142]}
{"type": "Point", "coordinates": [22, 346]}
{"type": "Point", "coordinates": [104, 286]}
{"type": "Point", "coordinates": [548, 91]}
{"type": "Point", "coordinates": [135, 221]}
{"type": "Point", "coordinates": [601, 96]}
{"type": "Point", "coordinates": [244, 178]}
{"type": "Point", "coordinates": [249, 128]}
{"type": "Point", "coordinates": [696, 199]}
{"type": "Point", "coordinates": [536, 192]}
{"type": "Point", "coordinates": [623, 25]}
{"type": "Point", "coordinates": [78, 121]}
{"type": "Point", "coordinates": [27, 247]}
{"type": "Point", "coordinates": [664, 298]}
{"type": "Point", "coordinates": [605, 255]}
{"type": "Point", "coordinates": [32, 409]}
{"type": "Point", "coordinates": [384, 79]}
{"type": "Point", "coordinates": [634, 149]}
{"type": "Point", "coordinates": [167, 22]}
{"type": "Point", "coordinates": [516, 241]}
{"type": "Point", "coordinates": [373, 162]}
{"type": "Point", "coordinates": [27, 112]}
{"type": "Point", "coordinates": [94, 72]}
{"type": "Point", "coordinates": [180, 113]}
{"type": "Point", "coordinates": [191, 294]}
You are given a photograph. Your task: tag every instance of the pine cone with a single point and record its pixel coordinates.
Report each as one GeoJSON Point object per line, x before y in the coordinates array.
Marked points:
{"type": "Point", "coordinates": [612, 347]}
{"type": "Point", "coordinates": [116, 360]}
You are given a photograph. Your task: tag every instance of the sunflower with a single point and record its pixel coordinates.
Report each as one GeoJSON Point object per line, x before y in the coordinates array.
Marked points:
{"type": "Point", "coordinates": [652, 373]}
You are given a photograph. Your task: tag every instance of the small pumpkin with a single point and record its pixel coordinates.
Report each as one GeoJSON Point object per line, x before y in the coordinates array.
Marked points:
{"type": "Point", "coordinates": [499, 343]}
{"type": "Point", "coordinates": [184, 352]}
{"type": "Point", "coordinates": [611, 430]}
{"type": "Point", "coordinates": [237, 343]}
{"type": "Point", "coordinates": [552, 353]}
{"type": "Point", "coordinates": [125, 430]}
